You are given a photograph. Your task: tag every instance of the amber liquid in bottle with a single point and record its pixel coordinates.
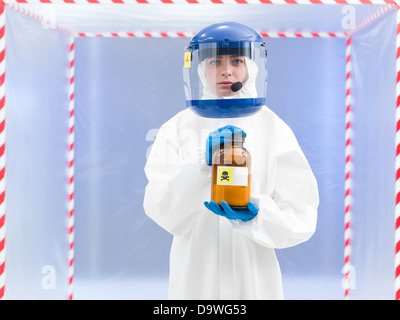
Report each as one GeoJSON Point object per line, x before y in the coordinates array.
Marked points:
{"type": "Point", "coordinates": [231, 174]}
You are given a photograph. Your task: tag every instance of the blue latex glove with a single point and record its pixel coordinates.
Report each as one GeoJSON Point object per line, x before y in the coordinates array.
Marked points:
{"type": "Point", "coordinates": [216, 137]}
{"type": "Point", "coordinates": [226, 211]}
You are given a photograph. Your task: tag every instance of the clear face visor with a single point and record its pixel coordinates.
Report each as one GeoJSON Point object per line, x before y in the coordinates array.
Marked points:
{"type": "Point", "coordinates": [214, 74]}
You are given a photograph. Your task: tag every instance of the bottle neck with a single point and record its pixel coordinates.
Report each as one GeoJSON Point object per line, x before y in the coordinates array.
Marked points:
{"type": "Point", "coordinates": [233, 144]}
{"type": "Point", "coordinates": [237, 143]}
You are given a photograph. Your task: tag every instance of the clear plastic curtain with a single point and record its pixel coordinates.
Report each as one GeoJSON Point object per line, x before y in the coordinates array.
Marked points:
{"type": "Point", "coordinates": [36, 124]}
{"type": "Point", "coordinates": [374, 81]}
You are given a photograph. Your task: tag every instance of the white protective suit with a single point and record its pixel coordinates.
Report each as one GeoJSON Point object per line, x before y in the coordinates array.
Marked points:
{"type": "Point", "coordinates": [213, 257]}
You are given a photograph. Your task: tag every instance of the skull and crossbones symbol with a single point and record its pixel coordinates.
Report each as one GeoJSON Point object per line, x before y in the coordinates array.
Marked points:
{"type": "Point", "coordinates": [225, 176]}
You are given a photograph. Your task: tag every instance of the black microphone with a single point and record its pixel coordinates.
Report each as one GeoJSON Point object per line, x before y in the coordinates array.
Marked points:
{"type": "Point", "coordinates": [237, 86]}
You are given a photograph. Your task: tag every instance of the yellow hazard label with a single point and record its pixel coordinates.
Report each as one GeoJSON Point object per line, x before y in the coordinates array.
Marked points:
{"type": "Point", "coordinates": [188, 59]}
{"type": "Point", "coordinates": [233, 176]}
{"type": "Point", "coordinates": [225, 175]}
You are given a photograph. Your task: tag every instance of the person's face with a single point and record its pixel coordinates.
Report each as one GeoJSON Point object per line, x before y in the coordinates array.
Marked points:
{"type": "Point", "coordinates": [223, 71]}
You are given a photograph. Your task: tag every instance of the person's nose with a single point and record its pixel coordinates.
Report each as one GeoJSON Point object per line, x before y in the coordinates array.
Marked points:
{"type": "Point", "coordinates": [226, 69]}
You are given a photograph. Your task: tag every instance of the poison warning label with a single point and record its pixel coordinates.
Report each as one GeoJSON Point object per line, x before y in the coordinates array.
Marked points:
{"type": "Point", "coordinates": [233, 176]}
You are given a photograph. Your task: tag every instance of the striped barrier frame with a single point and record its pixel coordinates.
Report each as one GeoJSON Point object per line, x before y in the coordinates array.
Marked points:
{"type": "Point", "coordinates": [19, 5]}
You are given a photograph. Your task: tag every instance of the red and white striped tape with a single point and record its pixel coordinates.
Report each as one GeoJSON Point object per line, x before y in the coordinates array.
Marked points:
{"type": "Point", "coordinates": [397, 184]}
{"type": "Point", "coordinates": [207, 1]}
{"type": "Point", "coordinates": [302, 34]}
{"type": "Point", "coordinates": [142, 34]}
{"type": "Point", "coordinates": [137, 34]}
{"type": "Point", "coordinates": [70, 165]}
{"type": "Point", "coordinates": [348, 175]}
{"type": "Point", "coordinates": [2, 151]}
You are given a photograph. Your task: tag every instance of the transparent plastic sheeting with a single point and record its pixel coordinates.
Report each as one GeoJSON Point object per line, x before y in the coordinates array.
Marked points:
{"type": "Point", "coordinates": [36, 126]}
{"type": "Point", "coordinates": [374, 73]}
{"type": "Point", "coordinates": [182, 17]}
{"type": "Point", "coordinates": [125, 90]}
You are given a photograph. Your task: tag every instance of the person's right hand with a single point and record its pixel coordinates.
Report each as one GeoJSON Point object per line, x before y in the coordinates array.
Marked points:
{"type": "Point", "coordinates": [216, 137]}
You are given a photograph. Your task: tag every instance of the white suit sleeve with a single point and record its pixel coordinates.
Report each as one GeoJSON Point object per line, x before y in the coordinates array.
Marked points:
{"type": "Point", "coordinates": [177, 186]}
{"type": "Point", "coordinates": [288, 216]}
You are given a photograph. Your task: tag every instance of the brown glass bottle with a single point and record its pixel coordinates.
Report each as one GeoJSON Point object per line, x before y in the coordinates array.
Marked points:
{"type": "Point", "coordinates": [231, 173]}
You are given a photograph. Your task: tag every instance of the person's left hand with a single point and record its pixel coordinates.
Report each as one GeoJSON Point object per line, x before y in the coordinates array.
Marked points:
{"type": "Point", "coordinates": [226, 211]}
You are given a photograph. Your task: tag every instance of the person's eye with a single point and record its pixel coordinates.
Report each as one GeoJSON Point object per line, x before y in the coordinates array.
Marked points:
{"type": "Point", "coordinates": [214, 62]}
{"type": "Point", "coordinates": [238, 61]}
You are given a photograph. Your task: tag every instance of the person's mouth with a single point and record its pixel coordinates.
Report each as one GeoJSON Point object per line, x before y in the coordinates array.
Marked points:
{"type": "Point", "coordinates": [225, 84]}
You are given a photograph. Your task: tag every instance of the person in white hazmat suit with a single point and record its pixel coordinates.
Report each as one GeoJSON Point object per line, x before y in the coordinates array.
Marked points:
{"type": "Point", "coordinates": [218, 252]}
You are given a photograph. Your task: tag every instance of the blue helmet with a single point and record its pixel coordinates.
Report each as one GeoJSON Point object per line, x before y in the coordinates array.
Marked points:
{"type": "Point", "coordinates": [225, 74]}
